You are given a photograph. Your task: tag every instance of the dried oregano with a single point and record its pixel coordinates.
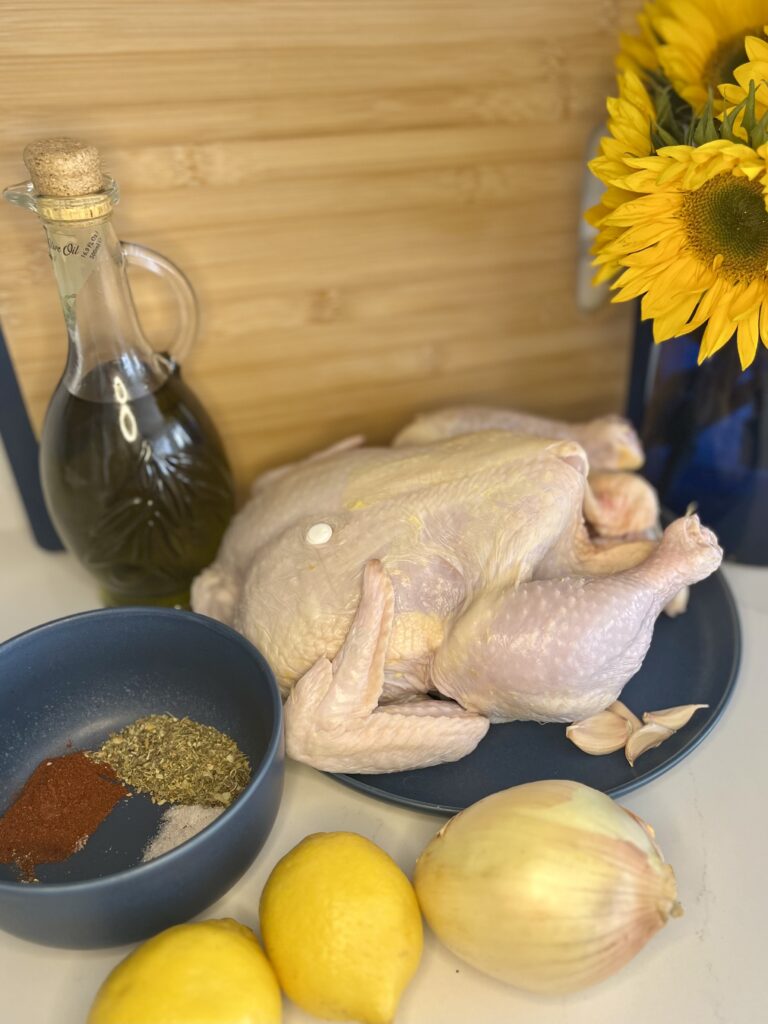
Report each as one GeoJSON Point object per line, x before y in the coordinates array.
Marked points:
{"type": "Point", "coordinates": [177, 760]}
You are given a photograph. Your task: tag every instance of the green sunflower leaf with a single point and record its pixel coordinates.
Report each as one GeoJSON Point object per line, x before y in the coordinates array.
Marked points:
{"type": "Point", "coordinates": [728, 124]}
{"type": "Point", "coordinates": [660, 137]}
{"type": "Point", "coordinates": [761, 131]}
{"type": "Point", "coordinates": [703, 128]}
{"type": "Point", "coordinates": [749, 119]}
{"type": "Point", "coordinates": [670, 127]}
{"type": "Point", "coordinates": [756, 130]}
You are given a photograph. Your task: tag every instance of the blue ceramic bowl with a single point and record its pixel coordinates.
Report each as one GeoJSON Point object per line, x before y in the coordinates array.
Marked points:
{"type": "Point", "coordinates": [67, 685]}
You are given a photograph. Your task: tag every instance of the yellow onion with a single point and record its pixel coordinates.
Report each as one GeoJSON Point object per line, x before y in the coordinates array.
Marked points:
{"type": "Point", "coordinates": [550, 886]}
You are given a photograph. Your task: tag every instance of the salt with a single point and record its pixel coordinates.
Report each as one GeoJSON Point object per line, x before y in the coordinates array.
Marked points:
{"type": "Point", "coordinates": [178, 824]}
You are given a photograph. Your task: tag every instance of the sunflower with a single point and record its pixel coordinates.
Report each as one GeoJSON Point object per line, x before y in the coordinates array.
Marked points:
{"type": "Point", "coordinates": [702, 42]}
{"type": "Point", "coordinates": [694, 243]}
{"type": "Point", "coordinates": [754, 70]}
{"type": "Point", "coordinates": [630, 120]}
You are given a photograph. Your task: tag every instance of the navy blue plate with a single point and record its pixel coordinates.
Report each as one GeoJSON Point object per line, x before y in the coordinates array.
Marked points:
{"type": "Point", "coordinates": [694, 659]}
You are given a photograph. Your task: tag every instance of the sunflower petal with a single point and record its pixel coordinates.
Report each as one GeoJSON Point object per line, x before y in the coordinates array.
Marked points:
{"type": "Point", "coordinates": [747, 337]}
{"type": "Point", "coordinates": [658, 204]}
{"type": "Point", "coordinates": [673, 323]}
{"type": "Point", "coordinates": [757, 49]}
{"type": "Point", "coordinates": [709, 301]}
{"type": "Point", "coordinates": [749, 299]}
{"type": "Point", "coordinates": [717, 333]}
{"type": "Point", "coordinates": [643, 235]}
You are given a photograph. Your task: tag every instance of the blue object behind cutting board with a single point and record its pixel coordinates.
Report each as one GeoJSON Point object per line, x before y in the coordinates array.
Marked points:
{"type": "Point", "coordinates": [705, 433]}
{"type": "Point", "coordinates": [21, 446]}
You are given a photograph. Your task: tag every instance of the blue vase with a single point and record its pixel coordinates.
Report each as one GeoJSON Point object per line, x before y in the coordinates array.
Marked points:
{"type": "Point", "coordinates": [705, 431]}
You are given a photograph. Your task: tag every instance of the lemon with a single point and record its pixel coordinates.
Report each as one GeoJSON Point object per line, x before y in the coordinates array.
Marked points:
{"type": "Point", "coordinates": [213, 972]}
{"type": "Point", "coordinates": [342, 928]}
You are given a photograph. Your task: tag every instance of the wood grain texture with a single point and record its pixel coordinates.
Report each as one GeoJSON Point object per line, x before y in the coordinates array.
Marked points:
{"type": "Point", "coordinates": [377, 203]}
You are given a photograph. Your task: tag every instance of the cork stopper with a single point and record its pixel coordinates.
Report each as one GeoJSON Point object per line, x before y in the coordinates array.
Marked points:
{"type": "Point", "coordinates": [64, 167]}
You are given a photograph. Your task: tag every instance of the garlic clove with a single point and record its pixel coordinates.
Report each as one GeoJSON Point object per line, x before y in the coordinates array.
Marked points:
{"type": "Point", "coordinates": [602, 733]}
{"type": "Point", "coordinates": [673, 718]}
{"type": "Point", "coordinates": [678, 604]}
{"type": "Point", "coordinates": [618, 708]}
{"type": "Point", "coordinates": [646, 738]}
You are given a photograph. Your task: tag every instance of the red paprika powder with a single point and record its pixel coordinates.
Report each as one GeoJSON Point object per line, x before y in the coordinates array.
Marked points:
{"type": "Point", "coordinates": [61, 805]}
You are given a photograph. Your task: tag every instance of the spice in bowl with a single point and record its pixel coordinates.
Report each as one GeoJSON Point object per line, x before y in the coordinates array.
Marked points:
{"type": "Point", "coordinates": [61, 805]}
{"type": "Point", "coordinates": [179, 823]}
{"type": "Point", "coordinates": [172, 760]}
{"type": "Point", "coordinates": [177, 760]}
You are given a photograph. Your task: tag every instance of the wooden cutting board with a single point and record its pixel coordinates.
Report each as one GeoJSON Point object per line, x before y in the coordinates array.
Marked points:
{"type": "Point", "coordinates": [377, 202]}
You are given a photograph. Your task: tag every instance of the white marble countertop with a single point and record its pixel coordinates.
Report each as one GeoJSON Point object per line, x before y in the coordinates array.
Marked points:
{"type": "Point", "coordinates": [708, 812]}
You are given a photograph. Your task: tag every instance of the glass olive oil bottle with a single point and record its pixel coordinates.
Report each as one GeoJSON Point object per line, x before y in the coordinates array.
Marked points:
{"type": "Point", "coordinates": [134, 475]}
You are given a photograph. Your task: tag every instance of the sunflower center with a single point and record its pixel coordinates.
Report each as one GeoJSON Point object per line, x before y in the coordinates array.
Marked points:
{"type": "Point", "coordinates": [727, 217]}
{"type": "Point", "coordinates": [726, 57]}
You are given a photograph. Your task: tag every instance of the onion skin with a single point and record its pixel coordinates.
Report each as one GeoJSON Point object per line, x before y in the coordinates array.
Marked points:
{"type": "Point", "coordinates": [549, 886]}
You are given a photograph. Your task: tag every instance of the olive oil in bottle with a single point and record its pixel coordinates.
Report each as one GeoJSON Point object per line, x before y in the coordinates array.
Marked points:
{"type": "Point", "coordinates": [134, 475]}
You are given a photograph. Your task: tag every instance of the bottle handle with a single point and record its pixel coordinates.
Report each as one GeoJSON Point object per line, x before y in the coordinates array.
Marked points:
{"type": "Point", "coordinates": [186, 301]}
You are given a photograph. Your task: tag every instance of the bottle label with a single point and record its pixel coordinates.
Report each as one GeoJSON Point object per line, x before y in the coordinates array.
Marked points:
{"type": "Point", "coordinates": [74, 254]}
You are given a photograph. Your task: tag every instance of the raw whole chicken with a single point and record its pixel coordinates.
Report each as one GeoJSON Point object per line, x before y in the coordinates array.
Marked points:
{"type": "Point", "coordinates": [487, 567]}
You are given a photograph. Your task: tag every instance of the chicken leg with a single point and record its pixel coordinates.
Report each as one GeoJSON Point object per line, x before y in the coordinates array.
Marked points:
{"type": "Point", "coordinates": [563, 649]}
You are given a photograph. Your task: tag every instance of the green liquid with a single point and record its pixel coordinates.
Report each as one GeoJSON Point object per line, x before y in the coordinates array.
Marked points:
{"type": "Point", "coordinates": [140, 490]}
